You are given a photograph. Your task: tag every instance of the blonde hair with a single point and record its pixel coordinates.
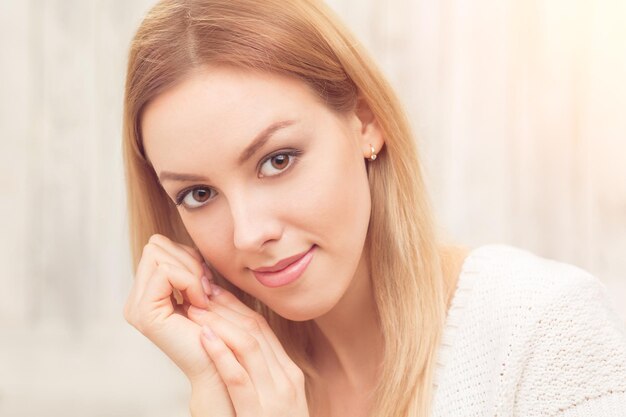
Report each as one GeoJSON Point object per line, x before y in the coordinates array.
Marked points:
{"type": "Point", "coordinates": [303, 39]}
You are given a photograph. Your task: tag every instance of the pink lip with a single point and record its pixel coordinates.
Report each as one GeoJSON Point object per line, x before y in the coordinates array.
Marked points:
{"type": "Point", "coordinates": [284, 272]}
{"type": "Point", "coordinates": [281, 264]}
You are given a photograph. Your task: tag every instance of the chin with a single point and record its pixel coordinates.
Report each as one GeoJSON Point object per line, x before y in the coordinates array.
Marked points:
{"type": "Point", "coordinates": [302, 311]}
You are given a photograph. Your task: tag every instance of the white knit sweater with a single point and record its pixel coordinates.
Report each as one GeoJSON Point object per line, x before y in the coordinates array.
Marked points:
{"type": "Point", "coordinates": [527, 336]}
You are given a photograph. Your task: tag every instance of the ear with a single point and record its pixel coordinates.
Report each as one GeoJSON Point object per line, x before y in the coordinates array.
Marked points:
{"type": "Point", "coordinates": [369, 131]}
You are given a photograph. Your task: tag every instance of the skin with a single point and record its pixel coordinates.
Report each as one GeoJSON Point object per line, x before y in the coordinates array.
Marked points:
{"type": "Point", "coordinates": [258, 213]}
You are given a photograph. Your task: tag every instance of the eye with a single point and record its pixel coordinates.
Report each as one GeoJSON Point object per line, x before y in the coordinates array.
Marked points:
{"type": "Point", "coordinates": [277, 163]}
{"type": "Point", "coordinates": [194, 197]}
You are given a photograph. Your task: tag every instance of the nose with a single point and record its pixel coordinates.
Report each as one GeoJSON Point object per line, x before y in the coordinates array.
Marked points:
{"type": "Point", "coordinates": [255, 223]}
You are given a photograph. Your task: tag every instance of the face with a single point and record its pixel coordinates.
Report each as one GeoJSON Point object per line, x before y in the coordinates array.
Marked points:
{"type": "Point", "coordinates": [261, 171]}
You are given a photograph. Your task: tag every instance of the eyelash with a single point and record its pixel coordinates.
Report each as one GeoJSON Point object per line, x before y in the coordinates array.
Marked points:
{"type": "Point", "coordinates": [292, 153]}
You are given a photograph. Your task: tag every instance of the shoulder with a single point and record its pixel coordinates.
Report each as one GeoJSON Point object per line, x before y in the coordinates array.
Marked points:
{"type": "Point", "coordinates": [532, 297]}
{"type": "Point", "coordinates": [508, 271]}
{"type": "Point", "coordinates": [539, 335]}
{"type": "Point", "coordinates": [508, 280]}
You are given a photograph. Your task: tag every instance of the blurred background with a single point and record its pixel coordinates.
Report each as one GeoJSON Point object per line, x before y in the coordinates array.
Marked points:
{"type": "Point", "coordinates": [519, 109]}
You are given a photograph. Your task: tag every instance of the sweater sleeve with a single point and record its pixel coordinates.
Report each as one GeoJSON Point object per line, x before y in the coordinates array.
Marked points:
{"type": "Point", "coordinates": [576, 356]}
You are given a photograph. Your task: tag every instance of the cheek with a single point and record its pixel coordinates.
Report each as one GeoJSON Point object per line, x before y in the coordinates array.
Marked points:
{"type": "Point", "coordinates": [213, 240]}
{"type": "Point", "coordinates": [339, 197]}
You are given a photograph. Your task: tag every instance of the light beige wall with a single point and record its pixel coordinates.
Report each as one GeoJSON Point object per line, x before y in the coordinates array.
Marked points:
{"type": "Point", "coordinates": [518, 108]}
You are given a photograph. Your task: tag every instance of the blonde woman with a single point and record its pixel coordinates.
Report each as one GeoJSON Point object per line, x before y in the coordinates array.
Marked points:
{"type": "Point", "coordinates": [286, 255]}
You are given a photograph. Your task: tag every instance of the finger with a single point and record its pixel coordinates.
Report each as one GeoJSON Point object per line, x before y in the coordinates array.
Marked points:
{"type": "Point", "coordinates": [205, 269]}
{"type": "Point", "coordinates": [184, 298]}
{"type": "Point", "coordinates": [168, 277]}
{"type": "Point", "coordinates": [186, 259]}
{"type": "Point", "coordinates": [224, 298]}
{"type": "Point", "coordinates": [245, 346]}
{"type": "Point", "coordinates": [151, 256]}
{"type": "Point", "coordinates": [251, 326]}
{"type": "Point", "coordinates": [145, 269]}
{"type": "Point", "coordinates": [237, 380]}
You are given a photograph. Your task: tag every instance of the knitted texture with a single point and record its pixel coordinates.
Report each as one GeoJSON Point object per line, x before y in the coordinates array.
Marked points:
{"type": "Point", "coordinates": [528, 336]}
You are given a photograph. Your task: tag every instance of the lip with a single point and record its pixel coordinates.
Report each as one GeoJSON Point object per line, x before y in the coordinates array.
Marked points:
{"type": "Point", "coordinates": [282, 264]}
{"type": "Point", "coordinates": [286, 271]}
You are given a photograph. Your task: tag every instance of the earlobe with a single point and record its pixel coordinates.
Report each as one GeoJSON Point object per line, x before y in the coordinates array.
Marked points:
{"type": "Point", "coordinates": [371, 136]}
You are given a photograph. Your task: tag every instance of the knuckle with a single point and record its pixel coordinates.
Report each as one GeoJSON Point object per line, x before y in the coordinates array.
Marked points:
{"type": "Point", "coordinates": [250, 323]}
{"type": "Point", "coordinates": [219, 355]}
{"type": "Point", "coordinates": [257, 317]}
{"type": "Point", "coordinates": [261, 325]}
{"type": "Point", "coordinates": [147, 249]}
{"type": "Point", "coordinates": [157, 238]}
{"type": "Point", "coordinates": [236, 378]}
{"type": "Point", "coordinates": [197, 270]}
{"type": "Point", "coordinates": [261, 322]}
{"type": "Point", "coordinates": [286, 391]}
{"type": "Point", "coordinates": [150, 250]}
{"type": "Point", "coordinates": [249, 344]}
{"type": "Point", "coordinates": [164, 268]}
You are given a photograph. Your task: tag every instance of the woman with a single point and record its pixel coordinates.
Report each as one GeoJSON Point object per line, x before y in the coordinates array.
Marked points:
{"type": "Point", "coordinates": [286, 256]}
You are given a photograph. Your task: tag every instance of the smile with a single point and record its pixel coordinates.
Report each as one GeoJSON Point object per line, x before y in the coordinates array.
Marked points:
{"type": "Point", "coordinates": [286, 271]}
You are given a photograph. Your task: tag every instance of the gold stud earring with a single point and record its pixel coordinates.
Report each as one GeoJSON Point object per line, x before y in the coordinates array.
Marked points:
{"type": "Point", "coordinates": [373, 154]}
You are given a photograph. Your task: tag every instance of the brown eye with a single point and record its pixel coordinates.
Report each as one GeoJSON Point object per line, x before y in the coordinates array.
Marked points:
{"type": "Point", "coordinates": [280, 161]}
{"type": "Point", "coordinates": [196, 197]}
{"type": "Point", "coordinates": [200, 195]}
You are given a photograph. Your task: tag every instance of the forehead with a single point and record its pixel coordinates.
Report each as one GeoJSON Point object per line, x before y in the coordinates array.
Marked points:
{"type": "Point", "coordinates": [224, 108]}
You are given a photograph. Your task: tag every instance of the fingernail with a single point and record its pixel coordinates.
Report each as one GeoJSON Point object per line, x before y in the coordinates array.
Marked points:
{"type": "Point", "coordinates": [215, 289]}
{"type": "Point", "coordinates": [208, 333]}
{"type": "Point", "coordinates": [205, 285]}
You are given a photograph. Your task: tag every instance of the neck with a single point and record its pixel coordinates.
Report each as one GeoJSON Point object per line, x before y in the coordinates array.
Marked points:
{"type": "Point", "coordinates": [349, 342]}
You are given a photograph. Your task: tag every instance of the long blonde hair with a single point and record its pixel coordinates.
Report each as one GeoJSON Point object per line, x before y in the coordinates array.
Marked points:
{"type": "Point", "coordinates": [304, 39]}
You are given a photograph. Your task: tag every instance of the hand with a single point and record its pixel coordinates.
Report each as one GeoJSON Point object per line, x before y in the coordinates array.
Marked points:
{"type": "Point", "coordinates": [152, 309]}
{"type": "Point", "coordinates": [261, 379]}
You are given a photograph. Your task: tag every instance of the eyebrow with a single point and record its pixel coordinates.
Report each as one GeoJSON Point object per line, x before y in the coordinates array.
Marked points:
{"type": "Point", "coordinates": [258, 142]}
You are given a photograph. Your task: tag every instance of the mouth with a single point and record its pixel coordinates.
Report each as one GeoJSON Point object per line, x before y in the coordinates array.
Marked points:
{"type": "Point", "coordinates": [286, 271]}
